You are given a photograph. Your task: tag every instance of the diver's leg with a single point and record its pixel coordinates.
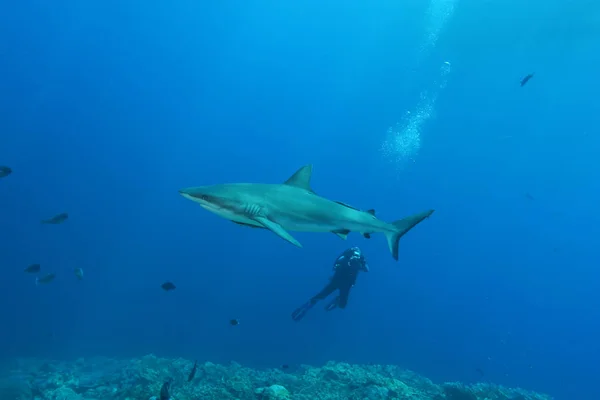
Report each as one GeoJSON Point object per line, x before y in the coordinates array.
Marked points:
{"type": "Point", "coordinates": [301, 311]}
{"type": "Point", "coordinates": [340, 300]}
{"type": "Point", "coordinates": [332, 304]}
{"type": "Point", "coordinates": [343, 297]}
{"type": "Point", "coordinates": [327, 290]}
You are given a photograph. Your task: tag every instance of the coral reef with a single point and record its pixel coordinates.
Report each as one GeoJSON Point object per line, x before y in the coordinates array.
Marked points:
{"type": "Point", "coordinates": [141, 379]}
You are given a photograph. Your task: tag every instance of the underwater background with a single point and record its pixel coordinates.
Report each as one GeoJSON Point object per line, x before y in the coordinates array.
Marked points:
{"type": "Point", "coordinates": [108, 108]}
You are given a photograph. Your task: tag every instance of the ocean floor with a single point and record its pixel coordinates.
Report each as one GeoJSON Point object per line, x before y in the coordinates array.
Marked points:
{"type": "Point", "coordinates": [141, 379]}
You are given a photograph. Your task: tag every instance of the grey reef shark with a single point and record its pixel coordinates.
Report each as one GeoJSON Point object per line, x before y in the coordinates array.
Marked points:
{"type": "Point", "coordinates": [294, 206]}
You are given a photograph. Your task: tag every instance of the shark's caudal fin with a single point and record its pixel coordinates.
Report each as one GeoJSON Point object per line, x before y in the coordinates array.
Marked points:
{"type": "Point", "coordinates": [402, 226]}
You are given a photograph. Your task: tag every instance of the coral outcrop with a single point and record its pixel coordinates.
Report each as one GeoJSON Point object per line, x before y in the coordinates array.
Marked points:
{"type": "Point", "coordinates": [141, 379]}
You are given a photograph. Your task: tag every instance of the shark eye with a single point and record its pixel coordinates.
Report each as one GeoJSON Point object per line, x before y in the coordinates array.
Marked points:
{"type": "Point", "coordinates": [204, 197]}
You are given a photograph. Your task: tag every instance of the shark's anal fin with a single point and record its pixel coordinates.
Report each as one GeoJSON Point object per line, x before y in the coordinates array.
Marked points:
{"type": "Point", "coordinates": [248, 225]}
{"type": "Point", "coordinates": [301, 178]}
{"type": "Point", "coordinates": [342, 233]}
{"type": "Point", "coordinates": [367, 235]}
{"type": "Point", "coordinates": [277, 229]}
{"type": "Point", "coordinates": [371, 211]}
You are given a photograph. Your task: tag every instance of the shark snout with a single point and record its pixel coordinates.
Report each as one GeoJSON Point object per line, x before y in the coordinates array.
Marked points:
{"type": "Point", "coordinates": [195, 194]}
{"type": "Point", "coordinates": [188, 194]}
{"type": "Point", "coordinates": [191, 192]}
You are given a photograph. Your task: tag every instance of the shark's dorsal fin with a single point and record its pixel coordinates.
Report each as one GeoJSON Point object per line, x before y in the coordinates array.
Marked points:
{"type": "Point", "coordinates": [301, 178]}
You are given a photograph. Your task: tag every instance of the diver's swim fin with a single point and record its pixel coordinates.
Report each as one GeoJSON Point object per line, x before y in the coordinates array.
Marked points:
{"type": "Point", "coordinates": [301, 311]}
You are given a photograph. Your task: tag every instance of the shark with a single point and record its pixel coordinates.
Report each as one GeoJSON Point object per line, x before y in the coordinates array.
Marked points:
{"type": "Point", "coordinates": [294, 206]}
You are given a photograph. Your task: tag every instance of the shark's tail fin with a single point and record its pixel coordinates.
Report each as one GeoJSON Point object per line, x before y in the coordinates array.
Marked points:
{"type": "Point", "coordinates": [402, 226]}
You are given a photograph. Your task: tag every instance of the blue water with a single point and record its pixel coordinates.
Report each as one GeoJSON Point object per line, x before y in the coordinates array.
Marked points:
{"type": "Point", "coordinates": [108, 108]}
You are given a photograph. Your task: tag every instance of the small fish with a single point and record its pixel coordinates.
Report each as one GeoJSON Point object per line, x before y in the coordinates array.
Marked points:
{"type": "Point", "coordinates": [57, 219]}
{"type": "Point", "coordinates": [234, 322]}
{"type": "Point", "coordinates": [45, 279]}
{"type": "Point", "coordinates": [285, 366]}
{"type": "Point", "coordinates": [33, 269]}
{"type": "Point", "coordinates": [78, 273]}
{"type": "Point", "coordinates": [193, 372]}
{"type": "Point", "coordinates": [5, 171]}
{"type": "Point", "coordinates": [529, 196]}
{"type": "Point", "coordinates": [168, 286]}
{"type": "Point", "coordinates": [166, 389]}
{"type": "Point", "coordinates": [526, 79]}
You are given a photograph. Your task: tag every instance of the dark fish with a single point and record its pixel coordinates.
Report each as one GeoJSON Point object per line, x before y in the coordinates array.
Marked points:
{"type": "Point", "coordinates": [526, 79]}
{"type": "Point", "coordinates": [78, 273]}
{"type": "Point", "coordinates": [45, 279]}
{"type": "Point", "coordinates": [193, 372]}
{"type": "Point", "coordinates": [234, 322]}
{"type": "Point", "coordinates": [165, 389]}
{"type": "Point", "coordinates": [57, 219]}
{"type": "Point", "coordinates": [5, 171]}
{"type": "Point", "coordinates": [529, 196]}
{"type": "Point", "coordinates": [33, 269]}
{"type": "Point", "coordinates": [168, 286]}
{"type": "Point", "coordinates": [285, 366]}
{"type": "Point", "coordinates": [480, 371]}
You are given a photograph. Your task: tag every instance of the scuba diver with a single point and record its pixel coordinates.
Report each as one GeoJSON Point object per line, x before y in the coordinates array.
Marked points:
{"type": "Point", "coordinates": [346, 269]}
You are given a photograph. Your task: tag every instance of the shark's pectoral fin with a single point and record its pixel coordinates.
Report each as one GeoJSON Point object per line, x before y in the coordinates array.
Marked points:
{"type": "Point", "coordinates": [248, 225]}
{"type": "Point", "coordinates": [342, 233]}
{"type": "Point", "coordinates": [277, 229]}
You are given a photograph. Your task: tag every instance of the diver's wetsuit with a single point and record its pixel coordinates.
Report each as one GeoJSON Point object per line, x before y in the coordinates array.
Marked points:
{"type": "Point", "coordinates": [346, 269]}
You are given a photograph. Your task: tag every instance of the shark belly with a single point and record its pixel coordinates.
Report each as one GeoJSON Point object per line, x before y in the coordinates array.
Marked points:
{"type": "Point", "coordinates": [306, 225]}
{"type": "Point", "coordinates": [235, 217]}
{"type": "Point", "coordinates": [329, 225]}
{"type": "Point", "coordinates": [326, 216]}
